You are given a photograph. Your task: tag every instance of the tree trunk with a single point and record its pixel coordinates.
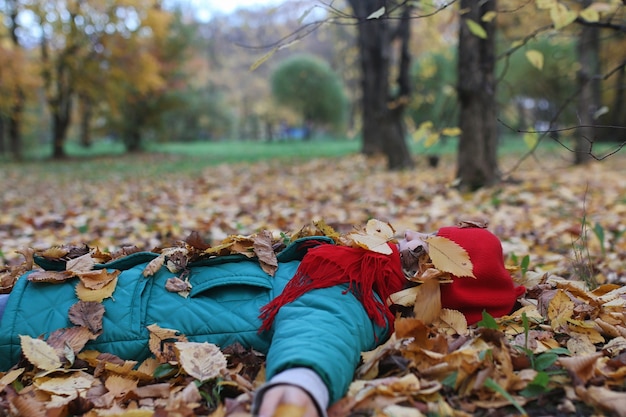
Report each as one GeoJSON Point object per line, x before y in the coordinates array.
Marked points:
{"type": "Point", "coordinates": [383, 111]}
{"type": "Point", "coordinates": [619, 116]}
{"type": "Point", "coordinates": [86, 113]}
{"type": "Point", "coordinates": [477, 163]}
{"type": "Point", "coordinates": [60, 124]}
{"type": "Point", "coordinates": [15, 126]}
{"type": "Point", "coordinates": [589, 61]}
{"type": "Point", "coordinates": [15, 117]}
{"type": "Point", "coordinates": [2, 135]}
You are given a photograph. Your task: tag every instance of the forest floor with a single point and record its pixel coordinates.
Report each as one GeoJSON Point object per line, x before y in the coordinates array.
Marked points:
{"type": "Point", "coordinates": [562, 352]}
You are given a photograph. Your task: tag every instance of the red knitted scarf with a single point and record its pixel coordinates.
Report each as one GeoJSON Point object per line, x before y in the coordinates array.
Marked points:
{"type": "Point", "coordinates": [368, 274]}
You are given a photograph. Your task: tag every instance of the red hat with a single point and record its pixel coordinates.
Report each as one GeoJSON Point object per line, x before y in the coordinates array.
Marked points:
{"type": "Point", "coordinates": [493, 289]}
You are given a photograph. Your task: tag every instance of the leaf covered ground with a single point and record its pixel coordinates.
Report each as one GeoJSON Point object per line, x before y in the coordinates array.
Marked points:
{"type": "Point", "coordinates": [562, 352]}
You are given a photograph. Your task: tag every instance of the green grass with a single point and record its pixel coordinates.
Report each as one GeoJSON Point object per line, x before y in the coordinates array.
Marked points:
{"type": "Point", "coordinates": [106, 160]}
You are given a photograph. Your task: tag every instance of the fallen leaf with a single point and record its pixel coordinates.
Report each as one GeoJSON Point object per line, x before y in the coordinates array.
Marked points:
{"type": "Point", "coordinates": [39, 353]}
{"type": "Point", "coordinates": [450, 257]}
{"type": "Point", "coordinates": [202, 361]}
{"type": "Point", "coordinates": [427, 305]}
{"type": "Point", "coordinates": [52, 277]}
{"type": "Point", "coordinates": [82, 263]}
{"type": "Point", "coordinates": [88, 314]}
{"type": "Point", "coordinates": [154, 266]}
{"type": "Point", "coordinates": [376, 236]}
{"type": "Point", "coordinates": [262, 244]}
{"type": "Point", "coordinates": [85, 294]}
{"type": "Point", "coordinates": [162, 341]}
{"type": "Point", "coordinates": [95, 280]}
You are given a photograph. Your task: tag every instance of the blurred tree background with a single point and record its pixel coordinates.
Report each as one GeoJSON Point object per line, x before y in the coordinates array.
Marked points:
{"type": "Point", "coordinates": [385, 72]}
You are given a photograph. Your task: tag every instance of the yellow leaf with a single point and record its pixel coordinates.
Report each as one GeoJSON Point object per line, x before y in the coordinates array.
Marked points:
{"type": "Point", "coordinates": [531, 139]}
{"type": "Point", "coordinates": [261, 60]}
{"type": "Point", "coordinates": [489, 16]}
{"type": "Point", "coordinates": [202, 361]}
{"type": "Point", "coordinates": [453, 319]}
{"type": "Point", "coordinates": [476, 29]}
{"type": "Point", "coordinates": [560, 309]}
{"type": "Point", "coordinates": [405, 297]}
{"type": "Point", "coordinates": [535, 58]}
{"type": "Point", "coordinates": [590, 14]}
{"type": "Point", "coordinates": [9, 377]}
{"type": "Point", "coordinates": [39, 353]}
{"type": "Point", "coordinates": [561, 16]}
{"type": "Point", "coordinates": [423, 130]}
{"type": "Point", "coordinates": [95, 280]}
{"type": "Point", "coordinates": [85, 294]}
{"type": "Point", "coordinates": [431, 140]}
{"type": "Point", "coordinates": [451, 131]}
{"type": "Point", "coordinates": [448, 256]}
{"type": "Point", "coordinates": [326, 230]}
{"type": "Point", "coordinates": [375, 238]}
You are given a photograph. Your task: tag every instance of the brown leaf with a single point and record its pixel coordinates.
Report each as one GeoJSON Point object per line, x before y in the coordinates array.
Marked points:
{"type": "Point", "coordinates": [262, 244]}
{"type": "Point", "coordinates": [154, 266]}
{"type": "Point", "coordinates": [95, 280]}
{"type": "Point", "coordinates": [473, 223]}
{"type": "Point", "coordinates": [119, 386]}
{"type": "Point", "coordinates": [74, 338]}
{"type": "Point", "coordinates": [162, 342]}
{"type": "Point", "coordinates": [27, 404]}
{"type": "Point", "coordinates": [604, 398]}
{"type": "Point", "coordinates": [427, 305]}
{"type": "Point", "coordinates": [581, 368]}
{"type": "Point", "coordinates": [53, 277]}
{"type": "Point", "coordinates": [195, 241]}
{"type": "Point", "coordinates": [88, 314]}
{"type": "Point", "coordinates": [175, 284]}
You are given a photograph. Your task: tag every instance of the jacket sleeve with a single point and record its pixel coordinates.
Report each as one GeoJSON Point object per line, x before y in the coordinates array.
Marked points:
{"type": "Point", "coordinates": [324, 330]}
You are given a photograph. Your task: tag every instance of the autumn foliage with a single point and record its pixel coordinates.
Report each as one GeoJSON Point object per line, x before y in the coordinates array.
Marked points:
{"type": "Point", "coordinates": [562, 351]}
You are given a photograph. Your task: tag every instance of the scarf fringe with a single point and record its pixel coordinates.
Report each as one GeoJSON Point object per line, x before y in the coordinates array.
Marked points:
{"type": "Point", "coordinates": [368, 273]}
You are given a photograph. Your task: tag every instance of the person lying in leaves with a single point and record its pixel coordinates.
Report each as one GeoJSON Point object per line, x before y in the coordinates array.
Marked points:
{"type": "Point", "coordinates": [311, 307]}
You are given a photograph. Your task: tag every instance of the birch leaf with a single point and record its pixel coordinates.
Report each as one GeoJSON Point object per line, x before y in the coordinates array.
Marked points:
{"type": "Point", "coordinates": [377, 235]}
{"type": "Point", "coordinates": [448, 256]}
{"type": "Point", "coordinates": [489, 16]}
{"type": "Point", "coordinates": [39, 353]}
{"type": "Point", "coordinates": [535, 58]}
{"type": "Point", "coordinates": [561, 16]}
{"type": "Point", "coordinates": [476, 29]}
{"type": "Point", "coordinates": [590, 14]}
{"type": "Point", "coordinates": [202, 361]}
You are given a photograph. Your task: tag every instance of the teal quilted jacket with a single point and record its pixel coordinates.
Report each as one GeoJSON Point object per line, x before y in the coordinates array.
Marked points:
{"type": "Point", "coordinates": [324, 330]}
